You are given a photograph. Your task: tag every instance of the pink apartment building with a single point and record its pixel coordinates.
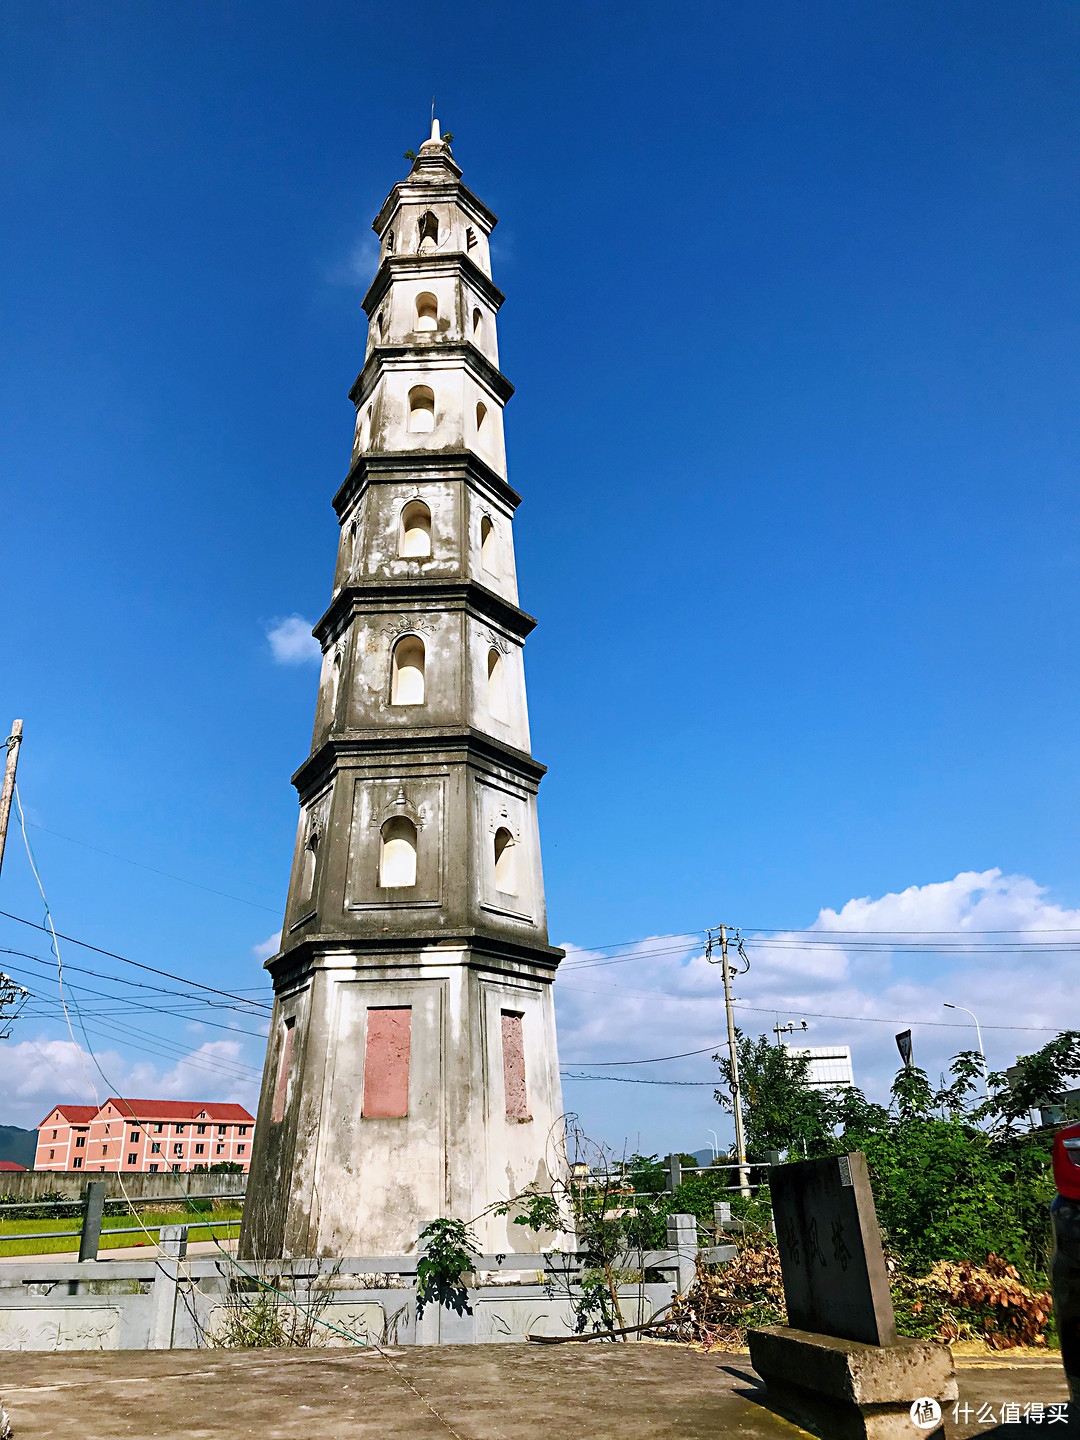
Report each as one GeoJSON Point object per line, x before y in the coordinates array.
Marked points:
{"type": "Point", "coordinates": [144, 1135]}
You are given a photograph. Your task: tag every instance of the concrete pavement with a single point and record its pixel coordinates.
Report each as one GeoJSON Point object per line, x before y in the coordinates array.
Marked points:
{"type": "Point", "coordinates": [472, 1392]}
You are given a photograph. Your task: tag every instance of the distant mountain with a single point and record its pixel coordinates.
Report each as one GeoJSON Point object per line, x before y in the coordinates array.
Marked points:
{"type": "Point", "coordinates": [18, 1145]}
{"type": "Point", "coordinates": [703, 1157]}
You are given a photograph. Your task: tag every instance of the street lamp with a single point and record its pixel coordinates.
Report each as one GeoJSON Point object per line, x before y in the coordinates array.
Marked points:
{"type": "Point", "coordinates": [715, 1144]}
{"type": "Point", "coordinates": [978, 1033]}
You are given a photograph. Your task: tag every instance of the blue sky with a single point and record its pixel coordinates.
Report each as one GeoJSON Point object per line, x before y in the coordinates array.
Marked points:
{"type": "Point", "coordinates": [792, 313]}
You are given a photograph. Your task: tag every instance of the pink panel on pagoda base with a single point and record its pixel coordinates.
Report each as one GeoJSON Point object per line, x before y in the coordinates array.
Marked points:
{"type": "Point", "coordinates": [513, 1046]}
{"type": "Point", "coordinates": [386, 1064]}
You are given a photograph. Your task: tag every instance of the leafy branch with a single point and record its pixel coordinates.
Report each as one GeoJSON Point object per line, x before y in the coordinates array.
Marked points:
{"type": "Point", "coordinates": [449, 1251]}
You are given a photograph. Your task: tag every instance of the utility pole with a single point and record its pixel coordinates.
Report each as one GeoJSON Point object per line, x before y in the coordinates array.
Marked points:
{"type": "Point", "coordinates": [733, 1052]}
{"type": "Point", "coordinates": [9, 993]}
{"type": "Point", "coordinates": [14, 740]}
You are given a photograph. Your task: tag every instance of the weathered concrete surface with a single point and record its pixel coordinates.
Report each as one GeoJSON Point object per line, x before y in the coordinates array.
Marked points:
{"type": "Point", "coordinates": [848, 1390]}
{"type": "Point", "coordinates": [846, 1370]}
{"type": "Point", "coordinates": [504, 1392]}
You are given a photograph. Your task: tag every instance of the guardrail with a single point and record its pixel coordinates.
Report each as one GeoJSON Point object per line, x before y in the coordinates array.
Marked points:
{"type": "Point", "coordinates": [90, 1231]}
{"type": "Point", "coordinates": [170, 1299]}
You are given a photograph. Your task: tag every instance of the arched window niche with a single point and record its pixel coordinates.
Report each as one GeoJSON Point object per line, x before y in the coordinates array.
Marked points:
{"type": "Point", "coordinates": [427, 312]}
{"type": "Point", "coordinates": [428, 228]}
{"type": "Point", "coordinates": [414, 536]}
{"type": "Point", "coordinates": [477, 325]}
{"type": "Point", "coordinates": [505, 862]}
{"type": "Point", "coordinates": [496, 694]}
{"type": "Point", "coordinates": [389, 242]}
{"type": "Point", "coordinates": [397, 854]}
{"type": "Point", "coordinates": [350, 550]}
{"type": "Point", "coordinates": [487, 545]}
{"type": "Point", "coordinates": [482, 424]}
{"type": "Point", "coordinates": [421, 409]}
{"type": "Point", "coordinates": [407, 671]}
{"type": "Point", "coordinates": [332, 689]}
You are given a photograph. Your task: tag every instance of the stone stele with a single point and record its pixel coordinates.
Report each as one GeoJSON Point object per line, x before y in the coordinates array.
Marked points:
{"type": "Point", "coordinates": [839, 1369]}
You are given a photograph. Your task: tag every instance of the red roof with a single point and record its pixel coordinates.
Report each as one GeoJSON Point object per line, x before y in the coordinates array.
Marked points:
{"type": "Point", "coordinates": [74, 1114]}
{"type": "Point", "coordinates": [10, 1165]}
{"type": "Point", "coordinates": [179, 1110]}
{"type": "Point", "coordinates": [155, 1110]}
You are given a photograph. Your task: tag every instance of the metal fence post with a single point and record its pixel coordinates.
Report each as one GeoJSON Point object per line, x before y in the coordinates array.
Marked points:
{"type": "Point", "coordinates": [93, 1209]}
{"type": "Point", "coordinates": [172, 1241]}
{"type": "Point", "coordinates": [682, 1239]}
{"type": "Point", "coordinates": [674, 1170]}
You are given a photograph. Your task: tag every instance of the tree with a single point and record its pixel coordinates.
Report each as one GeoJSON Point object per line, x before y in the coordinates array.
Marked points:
{"type": "Point", "coordinates": [954, 1178]}
{"type": "Point", "coordinates": [912, 1094]}
{"type": "Point", "coordinates": [781, 1110]}
{"type": "Point", "coordinates": [1036, 1080]}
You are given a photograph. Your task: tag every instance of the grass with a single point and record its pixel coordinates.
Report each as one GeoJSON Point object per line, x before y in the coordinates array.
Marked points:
{"type": "Point", "coordinates": [226, 1227]}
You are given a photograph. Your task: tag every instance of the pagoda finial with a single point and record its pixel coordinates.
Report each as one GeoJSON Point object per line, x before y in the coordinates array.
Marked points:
{"type": "Point", "coordinates": [436, 133]}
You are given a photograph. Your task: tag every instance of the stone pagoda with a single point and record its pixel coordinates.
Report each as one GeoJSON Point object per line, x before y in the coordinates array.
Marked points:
{"type": "Point", "coordinates": [411, 1071]}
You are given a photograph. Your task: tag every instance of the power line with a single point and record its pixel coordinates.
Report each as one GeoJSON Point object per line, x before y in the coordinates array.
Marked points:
{"type": "Point", "coordinates": [630, 1080]}
{"type": "Point", "coordinates": [233, 1069]}
{"type": "Point", "coordinates": [622, 944]}
{"type": "Point", "coordinates": [937, 948]}
{"type": "Point", "coordinates": [139, 1010]}
{"type": "Point", "coordinates": [59, 968]}
{"type": "Point", "coordinates": [791, 1010]}
{"type": "Point", "coordinates": [237, 1070]}
{"type": "Point", "coordinates": [753, 931]}
{"type": "Point", "coordinates": [885, 1019]}
{"type": "Point", "coordinates": [1046, 947]}
{"type": "Point", "coordinates": [656, 1060]}
{"type": "Point", "coordinates": [270, 910]}
{"type": "Point", "coordinates": [1026, 930]}
{"type": "Point", "coordinates": [112, 955]}
{"type": "Point", "coordinates": [134, 984]}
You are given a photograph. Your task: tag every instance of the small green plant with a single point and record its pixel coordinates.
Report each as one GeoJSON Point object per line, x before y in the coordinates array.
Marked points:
{"type": "Point", "coordinates": [613, 1223]}
{"type": "Point", "coordinates": [449, 1251]}
{"type": "Point", "coordinates": [539, 1211]}
{"type": "Point", "coordinates": [262, 1316]}
{"type": "Point", "coordinates": [265, 1321]}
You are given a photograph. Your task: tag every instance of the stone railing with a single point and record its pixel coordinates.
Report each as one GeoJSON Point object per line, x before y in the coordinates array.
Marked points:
{"type": "Point", "coordinates": [172, 1300]}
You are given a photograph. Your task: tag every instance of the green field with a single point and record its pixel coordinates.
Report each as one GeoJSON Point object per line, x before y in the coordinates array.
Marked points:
{"type": "Point", "coordinates": [226, 1227]}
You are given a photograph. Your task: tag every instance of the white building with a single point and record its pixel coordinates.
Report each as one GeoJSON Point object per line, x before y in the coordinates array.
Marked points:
{"type": "Point", "coordinates": [830, 1065]}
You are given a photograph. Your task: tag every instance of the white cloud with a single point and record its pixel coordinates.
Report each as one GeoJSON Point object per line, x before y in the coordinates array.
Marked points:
{"type": "Point", "coordinates": [267, 947]}
{"type": "Point", "coordinates": [291, 641]}
{"type": "Point", "coordinates": [973, 901]}
{"type": "Point", "coordinates": [653, 1003]}
{"type": "Point", "coordinates": [359, 267]}
{"type": "Point", "coordinates": [40, 1073]}
{"type": "Point", "coordinates": [662, 997]}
